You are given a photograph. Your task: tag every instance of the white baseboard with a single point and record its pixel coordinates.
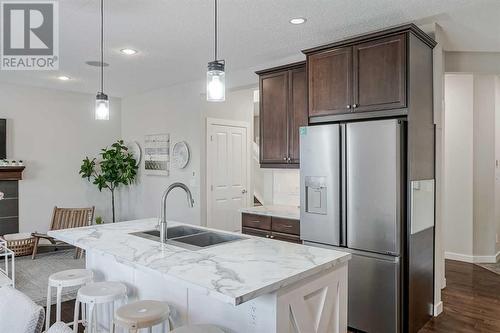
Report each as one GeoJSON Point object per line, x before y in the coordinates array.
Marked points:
{"type": "Point", "coordinates": [472, 259]}
{"type": "Point", "coordinates": [459, 257]}
{"type": "Point", "coordinates": [438, 308]}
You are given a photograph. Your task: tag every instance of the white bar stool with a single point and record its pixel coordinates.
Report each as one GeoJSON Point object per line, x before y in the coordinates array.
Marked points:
{"type": "Point", "coordinates": [65, 279]}
{"type": "Point", "coordinates": [95, 294]}
{"type": "Point", "coordinates": [198, 329]}
{"type": "Point", "coordinates": [143, 314]}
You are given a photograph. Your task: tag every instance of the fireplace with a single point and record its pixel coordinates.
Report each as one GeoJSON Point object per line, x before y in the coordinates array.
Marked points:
{"type": "Point", "coordinates": [9, 206]}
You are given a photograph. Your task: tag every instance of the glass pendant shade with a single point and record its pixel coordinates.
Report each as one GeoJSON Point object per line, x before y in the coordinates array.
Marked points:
{"type": "Point", "coordinates": [102, 107]}
{"type": "Point", "coordinates": [216, 82]}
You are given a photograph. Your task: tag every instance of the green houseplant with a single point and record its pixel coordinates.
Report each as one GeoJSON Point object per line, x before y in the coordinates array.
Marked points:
{"type": "Point", "coordinates": [116, 166]}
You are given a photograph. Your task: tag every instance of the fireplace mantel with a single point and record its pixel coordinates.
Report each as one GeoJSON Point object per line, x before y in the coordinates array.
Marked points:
{"type": "Point", "coordinates": [11, 173]}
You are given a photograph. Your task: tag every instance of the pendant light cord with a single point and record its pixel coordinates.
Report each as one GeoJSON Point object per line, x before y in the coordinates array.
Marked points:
{"type": "Point", "coordinates": [215, 27]}
{"type": "Point", "coordinates": [102, 46]}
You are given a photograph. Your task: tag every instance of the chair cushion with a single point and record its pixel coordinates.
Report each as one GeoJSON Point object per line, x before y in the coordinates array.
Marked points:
{"type": "Point", "coordinates": [18, 313]}
{"type": "Point", "coordinates": [13, 237]}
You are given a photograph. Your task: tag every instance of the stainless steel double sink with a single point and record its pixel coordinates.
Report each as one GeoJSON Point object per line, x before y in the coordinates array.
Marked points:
{"type": "Point", "coordinates": [190, 237]}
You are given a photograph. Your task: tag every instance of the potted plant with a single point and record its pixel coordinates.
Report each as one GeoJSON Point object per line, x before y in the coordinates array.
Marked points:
{"type": "Point", "coordinates": [115, 167]}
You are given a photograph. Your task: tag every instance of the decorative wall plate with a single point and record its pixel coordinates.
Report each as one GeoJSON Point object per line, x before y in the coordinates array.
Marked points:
{"type": "Point", "coordinates": [180, 155]}
{"type": "Point", "coordinates": [135, 149]}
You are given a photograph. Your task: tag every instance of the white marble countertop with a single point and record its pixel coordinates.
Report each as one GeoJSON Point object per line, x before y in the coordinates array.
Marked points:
{"type": "Point", "coordinates": [234, 272]}
{"type": "Point", "coordinates": [286, 212]}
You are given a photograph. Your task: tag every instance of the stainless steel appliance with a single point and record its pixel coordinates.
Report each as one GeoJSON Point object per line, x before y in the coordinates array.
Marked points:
{"type": "Point", "coordinates": [353, 192]}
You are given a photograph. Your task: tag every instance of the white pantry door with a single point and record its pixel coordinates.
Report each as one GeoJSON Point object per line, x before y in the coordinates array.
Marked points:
{"type": "Point", "coordinates": [227, 173]}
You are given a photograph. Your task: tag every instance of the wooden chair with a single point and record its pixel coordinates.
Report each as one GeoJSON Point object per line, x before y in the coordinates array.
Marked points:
{"type": "Point", "coordinates": [65, 218]}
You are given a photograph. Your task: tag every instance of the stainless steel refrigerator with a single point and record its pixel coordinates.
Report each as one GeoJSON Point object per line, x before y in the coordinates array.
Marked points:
{"type": "Point", "coordinates": [353, 199]}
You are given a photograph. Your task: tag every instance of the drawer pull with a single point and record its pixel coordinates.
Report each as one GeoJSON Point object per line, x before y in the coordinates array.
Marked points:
{"type": "Point", "coordinates": [255, 221]}
{"type": "Point", "coordinates": [287, 226]}
{"type": "Point", "coordinates": [272, 237]}
{"type": "Point", "coordinates": [267, 236]}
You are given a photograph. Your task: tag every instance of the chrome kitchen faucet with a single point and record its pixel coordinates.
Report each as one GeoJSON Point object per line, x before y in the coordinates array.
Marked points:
{"type": "Point", "coordinates": [163, 212]}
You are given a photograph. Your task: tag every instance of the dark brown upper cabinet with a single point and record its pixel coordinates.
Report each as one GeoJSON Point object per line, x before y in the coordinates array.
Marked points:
{"type": "Point", "coordinates": [297, 107]}
{"type": "Point", "coordinates": [380, 74]}
{"type": "Point", "coordinates": [330, 82]}
{"type": "Point", "coordinates": [274, 118]}
{"type": "Point", "coordinates": [283, 109]}
{"type": "Point", "coordinates": [366, 73]}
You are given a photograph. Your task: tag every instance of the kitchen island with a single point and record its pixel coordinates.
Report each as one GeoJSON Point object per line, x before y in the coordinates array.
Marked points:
{"type": "Point", "coordinates": [249, 285]}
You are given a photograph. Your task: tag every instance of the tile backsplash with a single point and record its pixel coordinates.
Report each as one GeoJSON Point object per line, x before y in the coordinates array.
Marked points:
{"type": "Point", "coordinates": [286, 187]}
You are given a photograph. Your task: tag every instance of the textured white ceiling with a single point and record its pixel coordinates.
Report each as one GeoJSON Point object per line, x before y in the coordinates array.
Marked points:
{"type": "Point", "coordinates": [175, 37]}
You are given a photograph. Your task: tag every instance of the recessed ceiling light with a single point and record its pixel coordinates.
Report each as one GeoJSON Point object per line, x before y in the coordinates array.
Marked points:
{"type": "Point", "coordinates": [128, 51]}
{"type": "Point", "coordinates": [298, 20]}
{"type": "Point", "coordinates": [64, 78]}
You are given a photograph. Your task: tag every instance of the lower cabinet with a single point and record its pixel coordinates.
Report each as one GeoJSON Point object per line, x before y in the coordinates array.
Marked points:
{"type": "Point", "coordinates": [271, 227]}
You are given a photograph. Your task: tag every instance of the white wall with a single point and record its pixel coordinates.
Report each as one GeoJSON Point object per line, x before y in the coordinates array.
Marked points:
{"type": "Point", "coordinates": [471, 148]}
{"type": "Point", "coordinates": [484, 166]}
{"type": "Point", "coordinates": [175, 110]}
{"type": "Point", "coordinates": [473, 62]}
{"type": "Point", "coordinates": [52, 131]}
{"type": "Point", "coordinates": [180, 110]}
{"type": "Point", "coordinates": [458, 165]}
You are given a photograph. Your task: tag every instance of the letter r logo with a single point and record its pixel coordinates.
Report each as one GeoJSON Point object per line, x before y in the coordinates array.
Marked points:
{"type": "Point", "coordinates": [28, 28]}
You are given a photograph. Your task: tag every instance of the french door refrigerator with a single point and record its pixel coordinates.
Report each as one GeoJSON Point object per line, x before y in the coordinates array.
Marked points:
{"type": "Point", "coordinates": [352, 199]}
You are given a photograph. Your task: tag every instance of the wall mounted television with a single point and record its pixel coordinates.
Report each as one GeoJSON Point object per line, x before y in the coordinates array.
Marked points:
{"type": "Point", "coordinates": [3, 138]}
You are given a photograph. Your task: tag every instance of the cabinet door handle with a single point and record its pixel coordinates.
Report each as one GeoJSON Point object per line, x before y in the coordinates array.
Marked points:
{"type": "Point", "coordinates": [284, 158]}
{"type": "Point", "coordinates": [272, 236]}
{"type": "Point", "coordinates": [348, 106]}
{"type": "Point", "coordinates": [289, 159]}
{"type": "Point", "coordinates": [355, 105]}
{"type": "Point", "coordinates": [267, 236]}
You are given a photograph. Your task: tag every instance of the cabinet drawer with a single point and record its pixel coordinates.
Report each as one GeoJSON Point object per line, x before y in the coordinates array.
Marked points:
{"type": "Point", "coordinates": [286, 225]}
{"type": "Point", "coordinates": [255, 232]}
{"type": "Point", "coordinates": [285, 237]}
{"type": "Point", "coordinates": [256, 221]}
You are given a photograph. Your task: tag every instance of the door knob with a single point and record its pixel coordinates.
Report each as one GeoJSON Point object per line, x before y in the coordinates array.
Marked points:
{"type": "Point", "coordinates": [243, 191]}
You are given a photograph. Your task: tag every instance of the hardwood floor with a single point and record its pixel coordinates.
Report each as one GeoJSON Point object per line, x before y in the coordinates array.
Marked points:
{"type": "Point", "coordinates": [471, 302]}
{"type": "Point", "coordinates": [67, 309]}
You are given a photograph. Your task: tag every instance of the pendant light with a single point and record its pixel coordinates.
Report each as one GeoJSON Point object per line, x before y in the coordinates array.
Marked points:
{"type": "Point", "coordinates": [102, 100]}
{"type": "Point", "coordinates": [216, 77]}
